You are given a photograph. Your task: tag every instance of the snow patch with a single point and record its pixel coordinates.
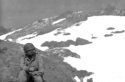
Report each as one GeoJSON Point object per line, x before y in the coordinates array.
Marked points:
{"type": "Point", "coordinates": [55, 22]}
{"type": "Point", "coordinates": [77, 79]}
{"type": "Point", "coordinates": [3, 37]}
{"type": "Point", "coordinates": [105, 57]}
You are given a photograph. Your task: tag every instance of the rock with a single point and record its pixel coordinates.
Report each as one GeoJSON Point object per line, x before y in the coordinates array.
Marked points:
{"type": "Point", "coordinates": [54, 44]}
{"type": "Point", "coordinates": [90, 80]}
{"type": "Point", "coordinates": [108, 35]}
{"type": "Point", "coordinates": [117, 32]}
{"type": "Point", "coordinates": [66, 34]}
{"type": "Point", "coordinates": [94, 37]}
{"type": "Point", "coordinates": [110, 28]}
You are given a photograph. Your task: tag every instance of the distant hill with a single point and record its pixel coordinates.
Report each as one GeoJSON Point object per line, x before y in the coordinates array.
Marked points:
{"type": "Point", "coordinates": [4, 30]}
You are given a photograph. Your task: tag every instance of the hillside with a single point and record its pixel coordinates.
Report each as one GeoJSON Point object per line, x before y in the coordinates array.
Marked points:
{"type": "Point", "coordinates": [75, 46]}
{"type": "Point", "coordinates": [4, 30]}
{"type": "Point", "coordinates": [55, 69]}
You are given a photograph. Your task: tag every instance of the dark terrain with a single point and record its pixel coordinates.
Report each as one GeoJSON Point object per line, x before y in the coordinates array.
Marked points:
{"type": "Point", "coordinates": [55, 69]}
{"type": "Point", "coordinates": [110, 28]}
{"type": "Point", "coordinates": [4, 30]}
{"type": "Point", "coordinates": [108, 35]}
{"type": "Point", "coordinates": [53, 44]}
{"type": "Point", "coordinates": [16, 14]}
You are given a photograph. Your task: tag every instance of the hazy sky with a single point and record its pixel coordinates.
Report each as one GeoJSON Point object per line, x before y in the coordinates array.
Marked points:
{"type": "Point", "coordinates": [17, 13]}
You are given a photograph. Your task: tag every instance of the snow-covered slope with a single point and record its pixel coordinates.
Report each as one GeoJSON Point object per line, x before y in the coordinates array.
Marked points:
{"type": "Point", "coordinates": [104, 56]}
{"type": "Point", "coordinates": [99, 41]}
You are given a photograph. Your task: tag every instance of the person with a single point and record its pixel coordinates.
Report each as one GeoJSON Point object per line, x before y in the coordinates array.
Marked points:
{"type": "Point", "coordinates": [31, 64]}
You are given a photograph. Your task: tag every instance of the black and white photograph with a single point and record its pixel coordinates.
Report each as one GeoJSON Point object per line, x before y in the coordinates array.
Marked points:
{"type": "Point", "coordinates": [62, 41]}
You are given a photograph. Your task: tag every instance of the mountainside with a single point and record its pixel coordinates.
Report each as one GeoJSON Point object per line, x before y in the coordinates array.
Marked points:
{"type": "Point", "coordinates": [4, 30]}
{"type": "Point", "coordinates": [75, 46]}
{"type": "Point", "coordinates": [62, 22]}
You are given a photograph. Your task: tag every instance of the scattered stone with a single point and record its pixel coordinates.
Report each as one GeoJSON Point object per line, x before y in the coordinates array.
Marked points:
{"type": "Point", "coordinates": [67, 33]}
{"type": "Point", "coordinates": [108, 35]}
{"type": "Point", "coordinates": [117, 32]}
{"type": "Point", "coordinates": [90, 80]}
{"type": "Point", "coordinates": [57, 33]}
{"type": "Point", "coordinates": [110, 28]}
{"type": "Point", "coordinates": [80, 41]}
{"type": "Point", "coordinates": [94, 37]}
{"type": "Point", "coordinates": [54, 44]}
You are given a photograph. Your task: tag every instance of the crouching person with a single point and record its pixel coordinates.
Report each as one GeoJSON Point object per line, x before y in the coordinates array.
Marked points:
{"type": "Point", "coordinates": [31, 65]}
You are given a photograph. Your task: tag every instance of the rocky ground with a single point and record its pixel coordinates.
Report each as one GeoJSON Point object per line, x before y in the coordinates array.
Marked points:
{"type": "Point", "coordinates": [55, 69]}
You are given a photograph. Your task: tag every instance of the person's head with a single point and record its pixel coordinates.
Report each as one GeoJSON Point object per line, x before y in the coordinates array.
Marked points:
{"type": "Point", "coordinates": [29, 49]}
